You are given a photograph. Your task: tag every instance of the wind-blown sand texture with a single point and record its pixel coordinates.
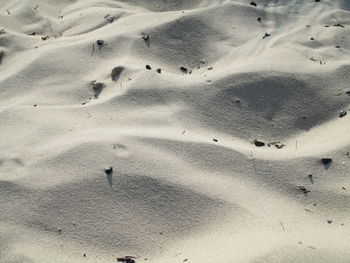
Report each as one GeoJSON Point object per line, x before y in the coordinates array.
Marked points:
{"type": "Point", "coordinates": [101, 157]}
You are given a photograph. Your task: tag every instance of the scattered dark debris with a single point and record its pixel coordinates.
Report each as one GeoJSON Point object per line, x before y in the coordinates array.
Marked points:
{"type": "Point", "coordinates": [253, 4]}
{"type": "Point", "coordinates": [109, 170]}
{"type": "Point", "coordinates": [337, 46]}
{"type": "Point", "coordinates": [266, 35]}
{"type": "Point", "coordinates": [148, 67]}
{"type": "Point", "coordinates": [159, 70]}
{"type": "Point", "coordinates": [304, 190]}
{"type": "Point", "coordinates": [278, 145]}
{"type": "Point", "coordinates": [183, 69]}
{"type": "Point", "coordinates": [326, 161]}
{"type": "Point", "coordinates": [342, 114]}
{"type": "Point", "coordinates": [259, 19]}
{"type": "Point", "coordinates": [144, 36]}
{"type": "Point", "coordinates": [126, 259]}
{"type": "Point", "coordinates": [44, 37]}
{"type": "Point", "coordinates": [1, 56]}
{"type": "Point", "coordinates": [210, 68]}
{"type": "Point", "coordinates": [329, 221]}
{"type": "Point", "coordinates": [311, 178]}
{"type": "Point", "coordinates": [115, 74]}
{"type": "Point", "coordinates": [258, 143]}
{"type": "Point", "coordinates": [338, 24]}
{"type": "Point", "coordinates": [215, 140]}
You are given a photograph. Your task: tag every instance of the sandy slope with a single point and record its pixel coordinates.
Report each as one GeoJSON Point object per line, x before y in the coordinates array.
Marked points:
{"type": "Point", "coordinates": [175, 193]}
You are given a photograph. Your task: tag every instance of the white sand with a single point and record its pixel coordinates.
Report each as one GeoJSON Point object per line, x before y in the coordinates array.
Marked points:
{"type": "Point", "coordinates": [175, 194]}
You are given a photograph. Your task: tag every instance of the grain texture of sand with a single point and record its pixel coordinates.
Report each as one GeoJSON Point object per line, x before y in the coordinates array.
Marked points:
{"type": "Point", "coordinates": [174, 131]}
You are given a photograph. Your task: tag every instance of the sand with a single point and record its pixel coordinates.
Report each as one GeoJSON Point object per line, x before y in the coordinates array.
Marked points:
{"type": "Point", "coordinates": [102, 158]}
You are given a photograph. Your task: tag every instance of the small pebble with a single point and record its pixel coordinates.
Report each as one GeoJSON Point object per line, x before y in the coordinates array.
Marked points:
{"type": "Point", "coordinates": [183, 69]}
{"type": "Point", "coordinates": [144, 36]}
{"type": "Point", "coordinates": [109, 170]}
{"type": "Point", "coordinates": [148, 67]}
{"type": "Point", "coordinates": [258, 143]}
{"type": "Point", "coordinates": [100, 42]}
{"type": "Point", "coordinates": [326, 161]}
{"type": "Point", "coordinates": [342, 114]}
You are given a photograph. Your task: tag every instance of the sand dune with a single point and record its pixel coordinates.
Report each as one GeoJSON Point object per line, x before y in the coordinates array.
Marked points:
{"type": "Point", "coordinates": [172, 94]}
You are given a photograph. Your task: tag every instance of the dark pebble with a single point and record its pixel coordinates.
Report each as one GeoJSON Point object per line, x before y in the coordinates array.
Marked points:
{"type": "Point", "coordinates": [258, 143]}
{"type": "Point", "coordinates": [183, 69]}
{"type": "Point", "coordinates": [109, 170]}
{"type": "Point", "coordinates": [342, 114]}
{"type": "Point", "coordinates": [326, 161]}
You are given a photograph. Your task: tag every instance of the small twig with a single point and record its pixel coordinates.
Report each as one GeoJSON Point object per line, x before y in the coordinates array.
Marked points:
{"type": "Point", "coordinates": [283, 227]}
{"type": "Point", "coordinates": [205, 67]}
{"type": "Point", "coordinates": [36, 7]}
{"type": "Point", "coordinates": [93, 49]}
{"type": "Point", "coordinates": [8, 12]}
{"type": "Point", "coordinates": [254, 163]}
{"type": "Point", "coordinates": [164, 5]}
